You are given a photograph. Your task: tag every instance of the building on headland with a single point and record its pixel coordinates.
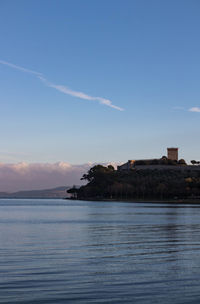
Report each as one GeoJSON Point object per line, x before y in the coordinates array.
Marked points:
{"type": "Point", "coordinates": [172, 153]}
{"type": "Point", "coordinates": [131, 164]}
{"type": "Point", "coordinates": [164, 163]}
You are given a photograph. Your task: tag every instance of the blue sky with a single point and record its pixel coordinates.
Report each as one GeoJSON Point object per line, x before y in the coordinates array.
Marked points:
{"type": "Point", "coordinates": [142, 56]}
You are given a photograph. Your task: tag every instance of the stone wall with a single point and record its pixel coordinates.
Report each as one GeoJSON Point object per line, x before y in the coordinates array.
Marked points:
{"type": "Point", "coordinates": [166, 167]}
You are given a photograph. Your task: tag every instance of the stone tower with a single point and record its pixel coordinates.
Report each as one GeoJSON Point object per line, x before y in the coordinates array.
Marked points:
{"type": "Point", "coordinates": [172, 153]}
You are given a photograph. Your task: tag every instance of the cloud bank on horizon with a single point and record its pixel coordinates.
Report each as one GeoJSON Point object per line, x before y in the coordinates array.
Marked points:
{"type": "Point", "coordinates": [38, 176]}
{"type": "Point", "coordinates": [61, 88]}
{"type": "Point", "coordinates": [25, 176]}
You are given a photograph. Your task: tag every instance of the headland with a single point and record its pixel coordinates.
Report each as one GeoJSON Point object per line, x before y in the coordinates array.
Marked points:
{"type": "Point", "coordinates": [166, 179]}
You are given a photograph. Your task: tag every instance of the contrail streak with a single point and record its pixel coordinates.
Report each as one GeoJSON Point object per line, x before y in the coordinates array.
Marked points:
{"type": "Point", "coordinates": [61, 88]}
{"type": "Point", "coordinates": [14, 66]}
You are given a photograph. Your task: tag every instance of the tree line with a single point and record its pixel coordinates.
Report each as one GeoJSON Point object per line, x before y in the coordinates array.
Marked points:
{"type": "Point", "coordinates": [107, 183]}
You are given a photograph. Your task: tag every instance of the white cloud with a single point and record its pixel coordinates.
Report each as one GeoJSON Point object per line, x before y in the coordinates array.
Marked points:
{"type": "Point", "coordinates": [63, 89]}
{"type": "Point", "coordinates": [194, 109]}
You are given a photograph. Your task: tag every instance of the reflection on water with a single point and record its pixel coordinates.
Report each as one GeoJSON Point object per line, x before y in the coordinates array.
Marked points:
{"type": "Point", "coordinates": [54, 251]}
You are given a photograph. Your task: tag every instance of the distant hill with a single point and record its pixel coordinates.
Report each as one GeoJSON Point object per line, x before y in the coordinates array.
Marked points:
{"type": "Point", "coordinates": [59, 192]}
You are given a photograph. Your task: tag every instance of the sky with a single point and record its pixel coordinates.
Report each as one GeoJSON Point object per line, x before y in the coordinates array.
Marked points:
{"type": "Point", "coordinates": [90, 81]}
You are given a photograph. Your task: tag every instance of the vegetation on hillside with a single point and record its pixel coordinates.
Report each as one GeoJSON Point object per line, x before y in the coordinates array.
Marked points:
{"type": "Point", "coordinates": [107, 183]}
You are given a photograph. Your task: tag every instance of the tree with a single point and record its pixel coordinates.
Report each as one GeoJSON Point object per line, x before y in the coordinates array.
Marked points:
{"type": "Point", "coordinates": [193, 162]}
{"type": "Point", "coordinates": [181, 162]}
{"type": "Point", "coordinates": [188, 180]}
{"type": "Point", "coordinates": [140, 163]}
{"type": "Point", "coordinates": [94, 172]}
{"type": "Point", "coordinates": [105, 183]}
{"type": "Point", "coordinates": [111, 168]}
{"type": "Point", "coordinates": [163, 160]}
{"type": "Point", "coordinates": [161, 189]}
{"type": "Point", "coordinates": [154, 162]}
{"type": "Point", "coordinates": [73, 191]}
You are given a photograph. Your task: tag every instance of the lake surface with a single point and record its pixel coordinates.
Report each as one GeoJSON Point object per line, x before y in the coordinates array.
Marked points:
{"type": "Point", "coordinates": [56, 251]}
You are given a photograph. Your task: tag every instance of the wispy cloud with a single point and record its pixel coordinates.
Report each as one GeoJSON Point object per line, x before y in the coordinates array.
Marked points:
{"type": "Point", "coordinates": [77, 94]}
{"type": "Point", "coordinates": [178, 108]}
{"type": "Point", "coordinates": [194, 109]}
{"type": "Point", "coordinates": [14, 66]}
{"type": "Point", "coordinates": [63, 89]}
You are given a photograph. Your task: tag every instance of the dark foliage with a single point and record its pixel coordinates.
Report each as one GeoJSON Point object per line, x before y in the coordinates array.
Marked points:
{"type": "Point", "coordinates": [106, 183]}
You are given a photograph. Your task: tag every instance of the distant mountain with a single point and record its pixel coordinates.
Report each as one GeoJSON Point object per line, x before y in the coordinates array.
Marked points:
{"type": "Point", "coordinates": [59, 192]}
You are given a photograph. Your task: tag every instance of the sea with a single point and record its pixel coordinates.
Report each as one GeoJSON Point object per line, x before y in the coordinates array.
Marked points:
{"type": "Point", "coordinates": [62, 251]}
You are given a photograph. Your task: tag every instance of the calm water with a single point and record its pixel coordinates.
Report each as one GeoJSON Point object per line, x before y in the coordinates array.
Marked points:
{"type": "Point", "coordinates": [54, 251]}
